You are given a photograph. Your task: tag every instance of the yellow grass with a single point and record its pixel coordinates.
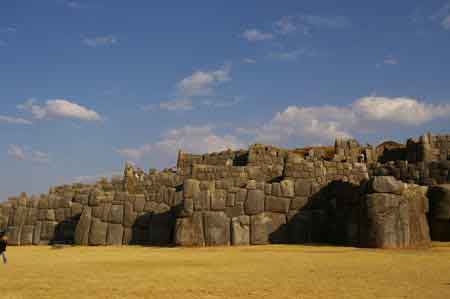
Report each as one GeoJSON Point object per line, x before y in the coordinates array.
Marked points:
{"type": "Point", "coordinates": [235, 272]}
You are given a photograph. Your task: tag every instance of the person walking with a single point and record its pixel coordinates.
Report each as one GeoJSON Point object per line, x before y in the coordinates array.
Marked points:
{"type": "Point", "coordinates": [3, 244]}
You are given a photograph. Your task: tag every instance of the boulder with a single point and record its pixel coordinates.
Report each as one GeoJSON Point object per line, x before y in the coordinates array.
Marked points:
{"type": "Point", "coordinates": [386, 184]}
{"type": "Point", "coordinates": [255, 202]}
{"type": "Point", "coordinates": [217, 229]}
{"type": "Point", "coordinates": [240, 230]}
{"type": "Point", "coordinates": [189, 231]}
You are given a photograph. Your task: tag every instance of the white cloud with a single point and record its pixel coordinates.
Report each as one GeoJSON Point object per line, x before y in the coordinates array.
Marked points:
{"type": "Point", "coordinates": [249, 60]}
{"type": "Point", "coordinates": [191, 139]}
{"type": "Point", "coordinates": [308, 124]}
{"type": "Point", "coordinates": [222, 103]}
{"type": "Point", "coordinates": [322, 124]}
{"type": "Point", "coordinates": [286, 25]}
{"type": "Point", "coordinates": [135, 154]}
{"type": "Point", "coordinates": [202, 82]}
{"type": "Point", "coordinates": [100, 41]}
{"type": "Point", "coordinates": [25, 153]}
{"type": "Point", "coordinates": [176, 105]}
{"type": "Point", "coordinates": [60, 108]}
{"type": "Point", "coordinates": [406, 111]}
{"type": "Point", "coordinates": [445, 23]}
{"type": "Point", "coordinates": [254, 35]}
{"type": "Point", "coordinates": [390, 60]}
{"type": "Point", "coordinates": [14, 120]}
{"type": "Point", "coordinates": [442, 16]}
{"type": "Point", "coordinates": [16, 151]}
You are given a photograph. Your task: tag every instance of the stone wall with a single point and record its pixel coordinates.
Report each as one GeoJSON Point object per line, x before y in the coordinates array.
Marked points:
{"type": "Point", "coordinates": [263, 195]}
{"type": "Point", "coordinates": [428, 148]}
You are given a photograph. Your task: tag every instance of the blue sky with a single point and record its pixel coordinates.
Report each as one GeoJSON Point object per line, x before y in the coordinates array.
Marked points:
{"type": "Point", "coordinates": [87, 85]}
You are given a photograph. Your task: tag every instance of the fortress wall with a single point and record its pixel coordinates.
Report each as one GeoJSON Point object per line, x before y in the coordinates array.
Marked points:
{"type": "Point", "coordinates": [309, 205]}
{"type": "Point", "coordinates": [429, 148]}
{"type": "Point", "coordinates": [421, 173]}
{"type": "Point", "coordinates": [186, 161]}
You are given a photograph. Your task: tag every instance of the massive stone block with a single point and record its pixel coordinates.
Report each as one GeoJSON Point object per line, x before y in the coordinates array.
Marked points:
{"type": "Point", "coordinates": [387, 184]}
{"type": "Point", "coordinates": [255, 202]}
{"type": "Point", "coordinates": [189, 231]}
{"type": "Point", "coordinates": [129, 215]}
{"type": "Point", "coordinates": [83, 227]}
{"type": "Point", "coordinates": [202, 201]}
{"type": "Point", "coordinates": [116, 214]}
{"type": "Point", "coordinates": [218, 200]}
{"type": "Point", "coordinates": [115, 234]}
{"type": "Point", "coordinates": [278, 232]}
{"type": "Point", "coordinates": [191, 188]}
{"type": "Point", "coordinates": [26, 237]}
{"type": "Point", "coordinates": [261, 227]}
{"type": "Point", "coordinates": [395, 221]}
{"type": "Point", "coordinates": [14, 235]}
{"type": "Point", "coordinates": [37, 233]}
{"type": "Point", "coordinates": [97, 233]}
{"type": "Point", "coordinates": [139, 203]}
{"type": "Point", "coordinates": [48, 229]}
{"type": "Point", "coordinates": [217, 228]}
{"type": "Point", "coordinates": [277, 204]}
{"type": "Point", "coordinates": [303, 187]}
{"type": "Point", "coordinates": [240, 230]}
{"type": "Point", "coordinates": [287, 188]}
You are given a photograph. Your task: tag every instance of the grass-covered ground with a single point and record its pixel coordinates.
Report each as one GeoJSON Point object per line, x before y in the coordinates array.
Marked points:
{"type": "Point", "coordinates": [234, 272]}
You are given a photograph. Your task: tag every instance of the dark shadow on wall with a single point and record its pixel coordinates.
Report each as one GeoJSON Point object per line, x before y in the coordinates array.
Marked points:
{"type": "Point", "coordinates": [154, 229]}
{"type": "Point", "coordinates": [331, 216]}
{"type": "Point", "coordinates": [65, 231]}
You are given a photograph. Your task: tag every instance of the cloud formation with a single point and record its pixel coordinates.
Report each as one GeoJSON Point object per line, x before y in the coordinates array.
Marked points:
{"type": "Point", "coordinates": [176, 105]}
{"type": "Point", "coordinates": [192, 139]}
{"type": "Point", "coordinates": [23, 153]}
{"type": "Point", "coordinates": [14, 120]}
{"type": "Point", "coordinates": [202, 82]}
{"type": "Point", "coordinates": [255, 35]}
{"type": "Point", "coordinates": [322, 124]}
{"type": "Point", "coordinates": [97, 41]}
{"type": "Point", "coordinates": [59, 108]}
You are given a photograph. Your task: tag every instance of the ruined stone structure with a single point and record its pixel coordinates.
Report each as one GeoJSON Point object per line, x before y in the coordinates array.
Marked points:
{"type": "Point", "coordinates": [391, 196]}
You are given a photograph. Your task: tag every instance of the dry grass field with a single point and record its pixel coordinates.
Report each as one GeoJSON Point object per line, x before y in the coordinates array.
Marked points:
{"type": "Point", "coordinates": [235, 272]}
